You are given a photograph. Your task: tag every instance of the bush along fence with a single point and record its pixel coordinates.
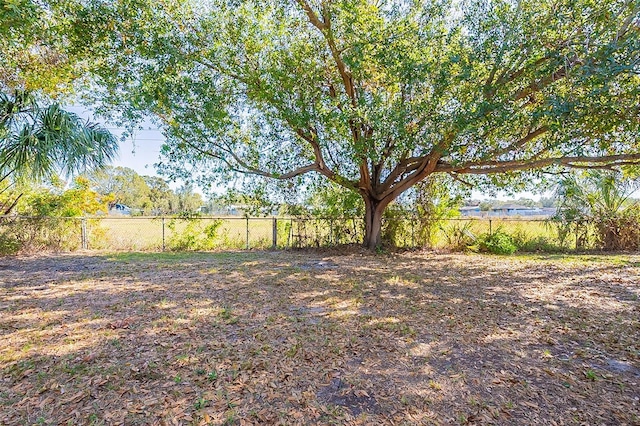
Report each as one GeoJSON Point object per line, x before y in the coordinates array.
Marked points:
{"type": "Point", "coordinates": [20, 234]}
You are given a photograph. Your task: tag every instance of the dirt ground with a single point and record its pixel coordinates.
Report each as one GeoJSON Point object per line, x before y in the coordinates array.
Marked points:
{"type": "Point", "coordinates": [319, 338]}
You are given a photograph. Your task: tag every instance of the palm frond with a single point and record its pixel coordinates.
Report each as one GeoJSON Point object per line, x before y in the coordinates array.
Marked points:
{"type": "Point", "coordinates": [38, 142]}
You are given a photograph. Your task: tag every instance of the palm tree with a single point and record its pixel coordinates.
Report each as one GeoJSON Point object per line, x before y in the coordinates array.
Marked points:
{"type": "Point", "coordinates": [602, 199]}
{"type": "Point", "coordinates": [38, 142]}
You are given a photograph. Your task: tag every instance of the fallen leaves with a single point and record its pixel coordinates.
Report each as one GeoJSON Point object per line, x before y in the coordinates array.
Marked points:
{"type": "Point", "coordinates": [260, 338]}
{"type": "Point", "coordinates": [123, 323]}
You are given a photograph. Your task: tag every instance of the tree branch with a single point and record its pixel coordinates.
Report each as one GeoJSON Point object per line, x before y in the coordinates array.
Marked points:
{"type": "Point", "coordinates": [521, 142]}
{"type": "Point", "coordinates": [313, 17]}
{"type": "Point", "coordinates": [490, 167]}
{"type": "Point", "coordinates": [457, 178]}
{"type": "Point", "coordinates": [325, 28]}
{"type": "Point", "coordinates": [242, 166]}
{"type": "Point", "coordinates": [404, 166]}
{"type": "Point", "coordinates": [312, 139]}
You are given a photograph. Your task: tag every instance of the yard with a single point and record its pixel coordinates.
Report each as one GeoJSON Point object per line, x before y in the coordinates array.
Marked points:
{"type": "Point", "coordinates": [319, 337]}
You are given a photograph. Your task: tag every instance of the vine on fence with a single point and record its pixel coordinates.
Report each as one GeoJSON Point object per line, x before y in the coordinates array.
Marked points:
{"type": "Point", "coordinates": [195, 235]}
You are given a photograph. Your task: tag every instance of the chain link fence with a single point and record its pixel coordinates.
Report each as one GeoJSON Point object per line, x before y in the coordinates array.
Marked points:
{"type": "Point", "coordinates": [32, 234]}
{"type": "Point", "coordinates": [211, 233]}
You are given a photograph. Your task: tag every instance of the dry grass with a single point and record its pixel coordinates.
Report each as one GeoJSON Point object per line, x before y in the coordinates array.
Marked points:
{"type": "Point", "coordinates": [319, 338]}
{"type": "Point", "coordinates": [146, 233]}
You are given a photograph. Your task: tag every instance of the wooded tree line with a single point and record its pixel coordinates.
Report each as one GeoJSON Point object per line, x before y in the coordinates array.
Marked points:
{"type": "Point", "coordinates": [98, 192]}
{"type": "Point", "coordinates": [150, 195]}
{"type": "Point", "coordinates": [374, 97]}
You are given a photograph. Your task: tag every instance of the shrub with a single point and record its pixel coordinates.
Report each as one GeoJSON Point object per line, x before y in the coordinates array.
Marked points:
{"type": "Point", "coordinates": [539, 244]}
{"type": "Point", "coordinates": [396, 226]}
{"type": "Point", "coordinates": [34, 234]}
{"type": "Point", "coordinates": [498, 242]}
{"type": "Point", "coordinates": [527, 242]}
{"type": "Point", "coordinates": [597, 207]}
{"type": "Point", "coordinates": [459, 236]}
{"type": "Point", "coordinates": [194, 234]}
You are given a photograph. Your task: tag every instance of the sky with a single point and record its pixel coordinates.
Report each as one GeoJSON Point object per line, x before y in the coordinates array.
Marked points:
{"type": "Point", "coordinates": [138, 152]}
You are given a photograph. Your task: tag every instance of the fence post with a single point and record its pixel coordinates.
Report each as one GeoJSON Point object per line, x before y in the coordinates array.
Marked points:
{"type": "Point", "coordinates": [275, 234]}
{"type": "Point", "coordinates": [490, 229]}
{"type": "Point", "coordinates": [331, 242]}
{"type": "Point", "coordinates": [413, 233]}
{"type": "Point", "coordinates": [290, 235]}
{"type": "Point", "coordinates": [247, 222]}
{"type": "Point", "coordinates": [83, 233]}
{"type": "Point", "coordinates": [163, 241]}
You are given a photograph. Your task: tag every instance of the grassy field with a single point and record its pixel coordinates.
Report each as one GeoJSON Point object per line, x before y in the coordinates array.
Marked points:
{"type": "Point", "coordinates": [319, 337]}
{"type": "Point", "coordinates": [231, 233]}
{"type": "Point", "coordinates": [144, 233]}
{"type": "Point", "coordinates": [208, 233]}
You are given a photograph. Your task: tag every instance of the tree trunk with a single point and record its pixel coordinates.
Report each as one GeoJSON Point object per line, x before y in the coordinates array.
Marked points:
{"type": "Point", "coordinates": [373, 222]}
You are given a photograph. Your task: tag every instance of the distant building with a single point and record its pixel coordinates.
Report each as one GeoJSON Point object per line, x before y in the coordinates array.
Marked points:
{"type": "Point", "coordinates": [548, 211]}
{"type": "Point", "coordinates": [120, 209]}
{"type": "Point", "coordinates": [507, 210]}
{"type": "Point", "coordinates": [470, 211]}
{"type": "Point", "coordinates": [515, 210]}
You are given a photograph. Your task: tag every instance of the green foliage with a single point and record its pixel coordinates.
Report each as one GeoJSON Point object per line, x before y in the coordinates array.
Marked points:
{"type": "Point", "coordinates": [37, 142]}
{"type": "Point", "coordinates": [162, 198]}
{"type": "Point", "coordinates": [330, 200]}
{"type": "Point", "coordinates": [47, 218]}
{"type": "Point", "coordinates": [192, 233]}
{"type": "Point", "coordinates": [420, 213]}
{"type": "Point", "coordinates": [598, 203]}
{"type": "Point", "coordinates": [78, 200]}
{"type": "Point", "coordinates": [591, 375]}
{"type": "Point", "coordinates": [524, 238]}
{"type": "Point", "coordinates": [437, 198]}
{"type": "Point", "coordinates": [187, 200]}
{"type": "Point", "coordinates": [459, 235]}
{"type": "Point", "coordinates": [122, 185]}
{"type": "Point", "coordinates": [397, 226]}
{"type": "Point", "coordinates": [497, 242]}
{"type": "Point", "coordinates": [535, 244]}
{"type": "Point", "coordinates": [253, 202]}
{"type": "Point", "coordinates": [146, 194]}
{"type": "Point", "coordinates": [34, 46]}
{"type": "Point", "coordinates": [373, 96]}
{"type": "Point", "coordinates": [548, 202]}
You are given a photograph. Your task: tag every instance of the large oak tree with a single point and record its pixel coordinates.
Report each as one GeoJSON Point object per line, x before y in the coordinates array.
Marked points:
{"type": "Point", "coordinates": [376, 95]}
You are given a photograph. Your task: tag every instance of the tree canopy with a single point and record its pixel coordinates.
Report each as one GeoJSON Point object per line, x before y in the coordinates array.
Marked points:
{"type": "Point", "coordinates": [37, 52]}
{"type": "Point", "coordinates": [38, 62]}
{"type": "Point", "coordinates": [123, 185]}
{"type": "Point", "coordinates": [375, 95]}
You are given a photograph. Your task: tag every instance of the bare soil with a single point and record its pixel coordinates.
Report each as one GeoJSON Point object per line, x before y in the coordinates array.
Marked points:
{"type": "Point", "coordinates": [319, 338]}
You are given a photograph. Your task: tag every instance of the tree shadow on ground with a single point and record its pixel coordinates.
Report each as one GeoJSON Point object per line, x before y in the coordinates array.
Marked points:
{"type": "Point", "coordinates": [299, 337]}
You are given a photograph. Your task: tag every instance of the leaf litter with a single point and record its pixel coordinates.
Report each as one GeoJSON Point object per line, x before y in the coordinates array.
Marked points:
{"type": "Point", "coordinates": [313, 337]}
